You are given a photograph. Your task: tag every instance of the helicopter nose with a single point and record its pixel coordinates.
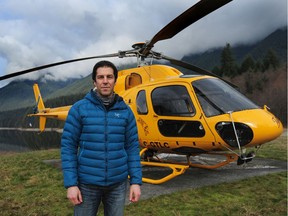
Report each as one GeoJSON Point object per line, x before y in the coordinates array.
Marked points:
{"type": "Point", "coordinates": [252, 127]}
{"type": "Point", "coordinates": [265, 126]}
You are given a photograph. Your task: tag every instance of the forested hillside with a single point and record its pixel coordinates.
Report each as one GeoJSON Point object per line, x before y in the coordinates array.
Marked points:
{"type": "Point", "coordinates": [276, 41]}
{"type": "Point", "coordinates": [266, 88]}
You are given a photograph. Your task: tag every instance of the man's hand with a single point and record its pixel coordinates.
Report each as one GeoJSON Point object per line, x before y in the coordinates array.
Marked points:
{"type": "Point", "coordinates": [74, 195]}
{"type": "Point", "coordinates": [135, 193]}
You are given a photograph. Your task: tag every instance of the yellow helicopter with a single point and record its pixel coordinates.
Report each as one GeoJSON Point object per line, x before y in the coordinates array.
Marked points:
{"type": "Point", "coordinates": [177, 113]}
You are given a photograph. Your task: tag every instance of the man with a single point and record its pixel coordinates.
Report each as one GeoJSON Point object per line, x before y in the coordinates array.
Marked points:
{"type": "Point", "coordinates": [99, 148]}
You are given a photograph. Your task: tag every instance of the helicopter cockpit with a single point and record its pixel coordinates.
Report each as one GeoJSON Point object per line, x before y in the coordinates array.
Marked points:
{"type": "Point", "coordinates": [216, 97]}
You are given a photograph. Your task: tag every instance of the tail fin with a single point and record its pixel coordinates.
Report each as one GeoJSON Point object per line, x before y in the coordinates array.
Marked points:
{"type": "Point", "coordinates": [38, 98]}
{"type": "Point", "coordinates": [43, 113]}
{"type": "Point", "coordinates": [42, 123]}
{"type": "Point", "coordinates": [39, 107]}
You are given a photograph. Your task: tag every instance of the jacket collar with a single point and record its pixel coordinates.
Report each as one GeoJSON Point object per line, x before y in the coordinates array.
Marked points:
{"type": "Point", "coordinates": [94, 98]}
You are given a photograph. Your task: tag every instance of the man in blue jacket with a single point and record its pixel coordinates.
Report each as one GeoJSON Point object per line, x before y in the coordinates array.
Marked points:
{"type": "Point", "coordinates": [100, 148]}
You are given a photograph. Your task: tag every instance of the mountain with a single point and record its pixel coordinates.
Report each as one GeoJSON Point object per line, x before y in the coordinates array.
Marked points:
{"type": "Point", "coordinates": [81, 86]}
{"type": "Point", "coordinates": [19, 94]}
{"type": "Point", "coordinates": [277, 41]}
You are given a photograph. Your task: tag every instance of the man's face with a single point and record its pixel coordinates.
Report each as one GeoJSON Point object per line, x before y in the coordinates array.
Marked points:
{"type": "Point", "coordinates": [105, 81]}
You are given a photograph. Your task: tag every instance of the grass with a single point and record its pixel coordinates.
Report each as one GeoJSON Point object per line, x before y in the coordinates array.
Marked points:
{"type": "Point", "coordinates": [276, 149]}
{"type": "Point", "coordinates": [30, 187]}
{"type": "Point", "coordinates": [256, 196]}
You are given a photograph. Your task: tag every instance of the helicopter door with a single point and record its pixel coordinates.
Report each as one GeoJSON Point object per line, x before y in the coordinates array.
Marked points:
{"type": "Point", "coordinates": [175, 101]}
{"type": "Point", "coordinates": [176, 119]}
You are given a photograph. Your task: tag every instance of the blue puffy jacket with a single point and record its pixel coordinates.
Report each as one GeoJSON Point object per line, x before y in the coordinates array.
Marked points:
{"type": "Point", "coordinates": [100, 146]}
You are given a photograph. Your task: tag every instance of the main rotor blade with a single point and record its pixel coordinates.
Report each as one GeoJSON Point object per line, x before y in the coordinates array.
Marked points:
{"type": "Point", "coordinates": [194, 68]}
{"type": "Point", "coordinates": [193, 14]}
{"type": "Point", "coordinates": [55, 64]}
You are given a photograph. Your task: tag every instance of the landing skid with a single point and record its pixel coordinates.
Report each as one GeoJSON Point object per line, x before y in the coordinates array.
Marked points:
{"type": "Point", "coordinates": [178, 168]}
{"type": "Point", "coordinates": [229, 159]}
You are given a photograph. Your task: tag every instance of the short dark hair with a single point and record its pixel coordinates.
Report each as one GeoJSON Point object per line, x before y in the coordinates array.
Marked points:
{"type": "Point", "coordinates": [104, 64]}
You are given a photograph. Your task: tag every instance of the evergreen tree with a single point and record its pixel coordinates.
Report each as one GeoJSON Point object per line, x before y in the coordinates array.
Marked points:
{"type": "Point", "coordinates": [228, 65]}
{"type": "Point", "coordinates": [248, 64]}
{"type": "Point", "coordinates": [258, 66]}
{"type": "Point", "coordinates": [270, 60]}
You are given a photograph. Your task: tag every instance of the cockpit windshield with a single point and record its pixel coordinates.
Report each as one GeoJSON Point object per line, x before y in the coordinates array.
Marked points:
{"type": "Point", "coordinates": [217, 97]}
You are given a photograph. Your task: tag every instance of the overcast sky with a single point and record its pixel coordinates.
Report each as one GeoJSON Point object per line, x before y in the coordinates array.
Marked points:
{"type": "Point", "coordinates": [40, 32]}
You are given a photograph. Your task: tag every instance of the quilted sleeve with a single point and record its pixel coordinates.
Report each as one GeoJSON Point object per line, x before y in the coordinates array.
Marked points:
{"type": "Point", "coordinates": [69, 147]}
{"type": "Point", "coordinates": [132, 149]}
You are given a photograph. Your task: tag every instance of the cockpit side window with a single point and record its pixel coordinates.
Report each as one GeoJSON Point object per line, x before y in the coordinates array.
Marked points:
{"type": "Point", "coordinates": [141, 102]}
{"type": "Point", "coordinates": [172, 101]}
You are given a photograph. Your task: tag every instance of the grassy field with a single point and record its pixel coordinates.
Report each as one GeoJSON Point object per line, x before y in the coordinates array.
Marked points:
{"type": "Point", "coordinates": [31, 187]}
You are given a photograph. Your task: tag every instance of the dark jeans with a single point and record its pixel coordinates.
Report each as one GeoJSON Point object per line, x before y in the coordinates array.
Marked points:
{"type": "Point", "coordinates": [112, 197]}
